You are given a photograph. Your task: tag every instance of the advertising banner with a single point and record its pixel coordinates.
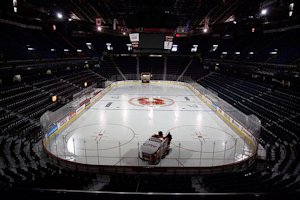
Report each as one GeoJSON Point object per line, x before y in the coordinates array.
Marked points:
{"type": "Point", "coordinates": [62, 122]}
{"type": "Point", "coordinates": [52, 130]}
{"type": "Point", "coordinates": [78, 110]}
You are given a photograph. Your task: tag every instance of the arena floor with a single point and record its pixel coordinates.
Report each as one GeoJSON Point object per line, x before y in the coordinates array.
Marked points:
{"type": "Point", "coordinates": [112, 130]}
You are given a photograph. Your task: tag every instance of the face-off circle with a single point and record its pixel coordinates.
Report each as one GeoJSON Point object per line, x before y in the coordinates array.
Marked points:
{"type": "Point", "coordinates": [152, 101]}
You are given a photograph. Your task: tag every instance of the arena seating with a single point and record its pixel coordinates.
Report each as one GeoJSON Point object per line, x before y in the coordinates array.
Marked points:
{"type": "Point", "coordinates": [285, 44]}
{"type": "Point", "coordinates": [152, 65]}
{"type": "Point", "coordinates": [145, 183]}
{"type": "Point", "coordinates": [65, 45]}
{"type": "Point", "coordinates": [107, 67]}
{"type": "Point", "coordinates": [175, 65]}
{"type": "Point", "coordinates": [126, 63]}
{"type": "Point", "coordinates": [279, 114]}
{"type": "Point", "coordinates": [18, 43]}
{"type": "Point", "coordinates": [22, 165]}
{"type": "Point", "coordinates": [78, 79]}
{"type": "Point", "coordinates": [21, 105]}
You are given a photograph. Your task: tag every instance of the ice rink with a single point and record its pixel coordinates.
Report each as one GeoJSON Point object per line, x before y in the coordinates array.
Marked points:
{"type": "Point", "coordinates": [112, 130]}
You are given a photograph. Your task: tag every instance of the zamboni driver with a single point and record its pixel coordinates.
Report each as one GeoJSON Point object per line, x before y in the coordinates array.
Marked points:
{"type": "Point", "coordinates": [159, 135]}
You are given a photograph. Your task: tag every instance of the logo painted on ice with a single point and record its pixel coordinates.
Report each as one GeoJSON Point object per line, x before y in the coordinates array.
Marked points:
{"type": "Point", "coordinates": [145, 101]}
{"type": "Point", "coordinates": [148, 101]}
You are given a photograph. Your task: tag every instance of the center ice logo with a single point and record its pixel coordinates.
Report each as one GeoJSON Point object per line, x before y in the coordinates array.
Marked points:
{"type": "Point", "coordinates": [148, 101]}
{"type": "Point", "coordinates": [145, 101]}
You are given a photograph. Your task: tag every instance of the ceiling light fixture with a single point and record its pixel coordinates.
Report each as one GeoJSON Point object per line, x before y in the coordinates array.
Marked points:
{"type": "Point", "coordinates": [59, 15]}
{"type": "Point", "coordinates": [264, 11]}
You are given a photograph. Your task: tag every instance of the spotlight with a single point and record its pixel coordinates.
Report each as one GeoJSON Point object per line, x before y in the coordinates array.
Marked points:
{"type": "Point", "coordinates": [59, 15]}
{"type": "Point", "coordinates": [54, 98]}
{"type": "Point", "coordinates": [264, 12]}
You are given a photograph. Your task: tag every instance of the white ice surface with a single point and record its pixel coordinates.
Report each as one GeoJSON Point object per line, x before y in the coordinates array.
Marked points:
{"type": "Point", "coordinates": [111, 131]}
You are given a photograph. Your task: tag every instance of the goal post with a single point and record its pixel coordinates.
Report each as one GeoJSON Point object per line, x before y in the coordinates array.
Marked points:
{"type": "Point", "coordinates": [145, 77]}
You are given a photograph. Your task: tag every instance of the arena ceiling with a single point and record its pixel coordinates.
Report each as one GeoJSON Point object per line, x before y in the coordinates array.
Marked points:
{"type": "Point", "coordinates": [116, 15]}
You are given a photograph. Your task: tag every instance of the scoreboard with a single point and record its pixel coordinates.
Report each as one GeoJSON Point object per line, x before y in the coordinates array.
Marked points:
{"type": "Point", "coordinates": [151, 42]}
